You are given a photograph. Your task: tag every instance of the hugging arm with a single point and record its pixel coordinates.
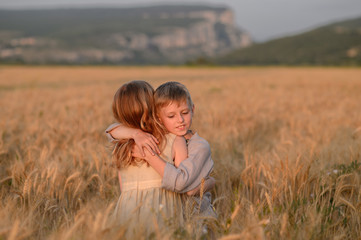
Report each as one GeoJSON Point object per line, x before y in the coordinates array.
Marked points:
{"type": "Point", "coordinates": [190, 172]}
{"type": "Point", "coordinates": [184, 179]}
{"type": "Point", "coordinates": [180, 150]}
{"type": "Point", "coordinates": [142, 139]}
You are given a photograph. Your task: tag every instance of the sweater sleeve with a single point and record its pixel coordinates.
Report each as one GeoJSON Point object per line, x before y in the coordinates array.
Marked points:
{"type": "Point", "coordinates": [191, 171]}
{"type": "Point", "coordinates": [108, 130]}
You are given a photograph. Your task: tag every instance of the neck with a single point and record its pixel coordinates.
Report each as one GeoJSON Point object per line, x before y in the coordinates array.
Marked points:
{"type": "Point", "coordinates": [189, 134]}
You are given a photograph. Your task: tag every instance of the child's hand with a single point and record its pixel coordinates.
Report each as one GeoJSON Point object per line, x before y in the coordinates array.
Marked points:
{"type": "Point", "coordinates": [155, 161]}
{"type": "Point", "coordinates": [146, 141]}
{"type": "Point", "coordinates": [139, 154]}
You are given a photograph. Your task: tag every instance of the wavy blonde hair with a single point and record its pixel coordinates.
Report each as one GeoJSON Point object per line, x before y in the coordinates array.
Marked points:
{"type": "Point", "coordinates": [133, 106]}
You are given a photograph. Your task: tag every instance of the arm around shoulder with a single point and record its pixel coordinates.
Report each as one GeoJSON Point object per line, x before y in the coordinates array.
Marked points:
{"type": "Point", "coordinates": [109, 130]}
{"type": "Point", "coordinates": [188, 175]}
{"type": "Point", "coordinates": [118, 131]}
{"type": "Point", "coordinates": [180, 150]}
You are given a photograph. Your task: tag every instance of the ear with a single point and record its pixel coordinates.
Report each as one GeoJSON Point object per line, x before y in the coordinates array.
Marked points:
{"type": "Point", "coordinates": [159, 119]}
{"type": "Point", "coordinates": [193, 107]}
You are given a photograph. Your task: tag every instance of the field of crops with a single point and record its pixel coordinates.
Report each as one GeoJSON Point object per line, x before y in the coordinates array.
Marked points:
{"type": "Point", "coordinates": [286, 144]}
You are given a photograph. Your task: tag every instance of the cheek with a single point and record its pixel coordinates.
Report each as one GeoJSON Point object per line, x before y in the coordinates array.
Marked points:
{"type": "Point", "coordinates": [166, 122]}
{"type": "Point", "coordinates": [162, 119]}
{"type": "Point", "coordinates": [189, 118]}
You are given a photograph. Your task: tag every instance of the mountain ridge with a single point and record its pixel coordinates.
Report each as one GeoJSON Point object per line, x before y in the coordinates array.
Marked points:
{"type": "Point", "coordinates": [338, 43]}
{"type": "Point", "coordinates": [139, 35]}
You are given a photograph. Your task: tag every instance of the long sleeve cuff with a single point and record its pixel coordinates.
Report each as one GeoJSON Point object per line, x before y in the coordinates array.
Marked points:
{"type": "Point", "coordinates": [108, 130]}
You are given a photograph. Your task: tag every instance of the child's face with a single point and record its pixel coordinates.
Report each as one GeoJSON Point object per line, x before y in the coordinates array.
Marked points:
{"type": "Point", "coordinates": [176, 117]}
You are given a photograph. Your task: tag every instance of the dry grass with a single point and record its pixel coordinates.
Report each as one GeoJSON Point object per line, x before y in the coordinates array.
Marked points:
{"type": "Point", "coordinates": [286, 144]}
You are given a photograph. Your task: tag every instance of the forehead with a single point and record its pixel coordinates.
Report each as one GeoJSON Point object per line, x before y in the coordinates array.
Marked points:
{"type": "Point", "coordinates": [175, 106]}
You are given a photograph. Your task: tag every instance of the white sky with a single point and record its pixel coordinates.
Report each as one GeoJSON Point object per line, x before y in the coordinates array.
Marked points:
{"type": "Point", "coordinates": [263, 19]}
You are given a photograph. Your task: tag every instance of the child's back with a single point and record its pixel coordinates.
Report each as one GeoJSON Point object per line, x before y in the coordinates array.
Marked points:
{"type": "Point", "coordinates": [143, 201]}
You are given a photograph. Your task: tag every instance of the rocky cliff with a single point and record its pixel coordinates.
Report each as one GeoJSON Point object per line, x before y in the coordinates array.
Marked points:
{"type": "Point", "coordinates": [154, 35]}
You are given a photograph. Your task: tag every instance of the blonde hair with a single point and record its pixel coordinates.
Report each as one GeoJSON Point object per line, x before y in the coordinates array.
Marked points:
{"type": "Point", "coordinates": [133, 106]}
{"type": "Point", "coordinates": [171, 92]}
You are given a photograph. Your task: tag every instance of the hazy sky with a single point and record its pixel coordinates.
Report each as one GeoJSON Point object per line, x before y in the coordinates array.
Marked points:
{"type": "Point", "coordinates": [263, 19]}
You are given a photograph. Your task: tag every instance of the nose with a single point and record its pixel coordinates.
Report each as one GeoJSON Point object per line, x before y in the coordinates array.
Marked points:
{"type": "Point", "coordinates": [180, 118]}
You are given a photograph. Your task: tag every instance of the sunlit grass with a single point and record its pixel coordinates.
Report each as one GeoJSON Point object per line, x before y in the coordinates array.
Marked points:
{"type": "Point", "coordinates": [286, 144]}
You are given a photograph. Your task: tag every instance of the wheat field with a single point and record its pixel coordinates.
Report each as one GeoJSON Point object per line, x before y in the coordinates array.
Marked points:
{"type": "Point", "coordinates": [286, 144]}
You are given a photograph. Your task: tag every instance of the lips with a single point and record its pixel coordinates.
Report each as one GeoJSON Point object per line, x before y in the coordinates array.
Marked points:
{"type": "Point", "coordinates": [181, 129]}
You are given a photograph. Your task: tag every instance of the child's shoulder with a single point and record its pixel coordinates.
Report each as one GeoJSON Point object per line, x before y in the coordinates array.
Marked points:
{"type": "Point", "coordinates": [179, 140]}
{"type": "Point", "coordinates": [197, 140]}
{"type": "Point", "coordinates": [175, 140]}
{"type": "Point", "coordinates": [170, 137]}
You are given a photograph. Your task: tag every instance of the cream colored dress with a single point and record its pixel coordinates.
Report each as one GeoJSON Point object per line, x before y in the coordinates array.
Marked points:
{"type": "Point", "coordinates": [143, 205]}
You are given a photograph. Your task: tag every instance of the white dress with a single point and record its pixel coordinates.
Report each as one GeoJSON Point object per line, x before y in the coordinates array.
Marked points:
{"type": "Point", "coordinates": [143, 205]}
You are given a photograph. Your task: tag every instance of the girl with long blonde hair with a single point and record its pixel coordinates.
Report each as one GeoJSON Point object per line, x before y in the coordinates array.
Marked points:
{"type": "Point", "coordinates": [143, 205]}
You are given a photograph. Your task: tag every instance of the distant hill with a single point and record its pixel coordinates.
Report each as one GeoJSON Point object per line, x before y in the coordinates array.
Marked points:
{"type": "Point", "coordinates": [139, 35]}
{"type": "Point", "coordinates": [334, 44]}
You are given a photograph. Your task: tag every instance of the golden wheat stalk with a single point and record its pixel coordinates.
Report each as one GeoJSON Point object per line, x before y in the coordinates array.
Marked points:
{"type": "Point", "coordinates": [70, 178]}
{"type": "Point", "coordinates": [14, 230]}
{"type": "Point", "coordinates": [201, 192]}
{"type": "Point", "coordinates": [27, 184]}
